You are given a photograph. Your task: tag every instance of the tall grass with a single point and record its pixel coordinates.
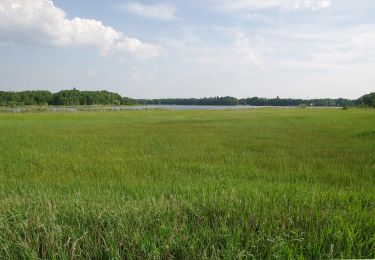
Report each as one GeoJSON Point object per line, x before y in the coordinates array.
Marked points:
{"type": "Point", "coordinates": [268, 183]}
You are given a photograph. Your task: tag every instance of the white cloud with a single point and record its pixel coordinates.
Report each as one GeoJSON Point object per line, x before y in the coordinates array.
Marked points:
{"type": "Point", "coordinates": [162, 11]}
{"type": "Point", "coordinates": [256, 5]}
{"type": "Point", "coordinates": [247, 50]}
{"type": "Point", "coordinates": [293, 51]}
{"type": "Point", "coordinates": [91, 72]}
{"type": "Point", "coordinates": [136, 74]}
{"type": "Point", "coordinates": [242, 54]}
{"type": "Point", "coordinates": [322, 49]}
{"type": "Point", "coordinates": [41, 22]}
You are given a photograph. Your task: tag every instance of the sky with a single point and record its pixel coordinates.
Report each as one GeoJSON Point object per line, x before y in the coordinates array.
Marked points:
{"type": "Point", "coordinates": [196, 48]}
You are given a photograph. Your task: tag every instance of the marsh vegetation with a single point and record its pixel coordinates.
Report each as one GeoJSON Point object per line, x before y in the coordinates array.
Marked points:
{"type": "Point", "coordinates": [265, 183]}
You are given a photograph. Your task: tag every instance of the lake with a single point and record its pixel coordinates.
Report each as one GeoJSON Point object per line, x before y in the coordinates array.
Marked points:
{"type": "Point", "coordinates": [149, 107]}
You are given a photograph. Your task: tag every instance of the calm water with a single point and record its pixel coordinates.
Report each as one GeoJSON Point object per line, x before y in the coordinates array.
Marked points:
{"type": "Point", "coordinates": [150, 107]}
{"type": "Point", "coordinates": [180, 107]}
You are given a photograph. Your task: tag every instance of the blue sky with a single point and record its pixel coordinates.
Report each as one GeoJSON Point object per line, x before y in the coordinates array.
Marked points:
{"type": "Point", "coordinates": [154, 49]}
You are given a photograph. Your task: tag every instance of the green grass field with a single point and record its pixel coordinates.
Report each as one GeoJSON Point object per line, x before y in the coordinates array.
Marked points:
{"type": "Point", "coordinates": [262, 183]}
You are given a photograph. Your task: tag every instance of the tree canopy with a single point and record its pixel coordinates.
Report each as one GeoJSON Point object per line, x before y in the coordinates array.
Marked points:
{"type": "Point", "coordinates": [75, 97]}
{"type": "Point", "coordinates": [254, 101]}
{"type": "Point", "coordinates": [63, 98]}
{"type": "Point", "coordinates": [367, 100]}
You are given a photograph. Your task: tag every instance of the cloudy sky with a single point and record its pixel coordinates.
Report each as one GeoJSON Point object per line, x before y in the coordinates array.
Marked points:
{"type": "Point", "coordinates": [197, 48]}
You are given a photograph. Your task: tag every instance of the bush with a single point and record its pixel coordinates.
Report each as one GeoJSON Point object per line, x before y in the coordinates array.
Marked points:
{"type": "Point", "coordinates": [116, 102]}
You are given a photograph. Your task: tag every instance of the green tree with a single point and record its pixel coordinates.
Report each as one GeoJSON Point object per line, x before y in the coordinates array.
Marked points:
{"type": "Point", "coordinates": [367, 100]}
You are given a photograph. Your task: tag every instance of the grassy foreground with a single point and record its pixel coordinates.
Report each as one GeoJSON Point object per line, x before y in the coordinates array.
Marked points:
{"type": "Point", "coordinates": [267, 183]}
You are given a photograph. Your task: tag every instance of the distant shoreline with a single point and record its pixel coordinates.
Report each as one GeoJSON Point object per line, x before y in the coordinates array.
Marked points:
{"type": "Point", "coordinates": [75, 97]}
{"type": "Point", "coordinates": [146, 107]}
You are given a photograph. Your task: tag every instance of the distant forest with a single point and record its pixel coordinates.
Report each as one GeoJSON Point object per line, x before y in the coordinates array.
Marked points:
{"type": "Point", "coordinates": [75, 97]}
{"type": "Point", "coordinates": [63, 98]}
{"type": "Point", "coordinates": [254, 101]}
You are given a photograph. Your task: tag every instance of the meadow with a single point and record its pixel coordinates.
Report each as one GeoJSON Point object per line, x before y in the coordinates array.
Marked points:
{"type": "Point", "coordinates": [262, 183]}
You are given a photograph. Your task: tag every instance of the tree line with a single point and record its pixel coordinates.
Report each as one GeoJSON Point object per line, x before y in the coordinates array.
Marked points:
{"type": "Point", "coordinates": [63, 98]}
{"type": "Point", "coordinates": [254, 101]}
{"type": "Point", "coordinates": [76, 98]}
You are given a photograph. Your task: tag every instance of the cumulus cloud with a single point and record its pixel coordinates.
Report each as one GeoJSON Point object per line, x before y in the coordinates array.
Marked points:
{"type": "Point", "coordinates": [162, 11]}
{"type": "Point", "coordinates": [41, 22]}
{"type": "Point", "coordinates": [242, 53]}
{"type": "Point", "coordinates": [247, 50]}
{"type": "Point", "coordinates": [238, 5]}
